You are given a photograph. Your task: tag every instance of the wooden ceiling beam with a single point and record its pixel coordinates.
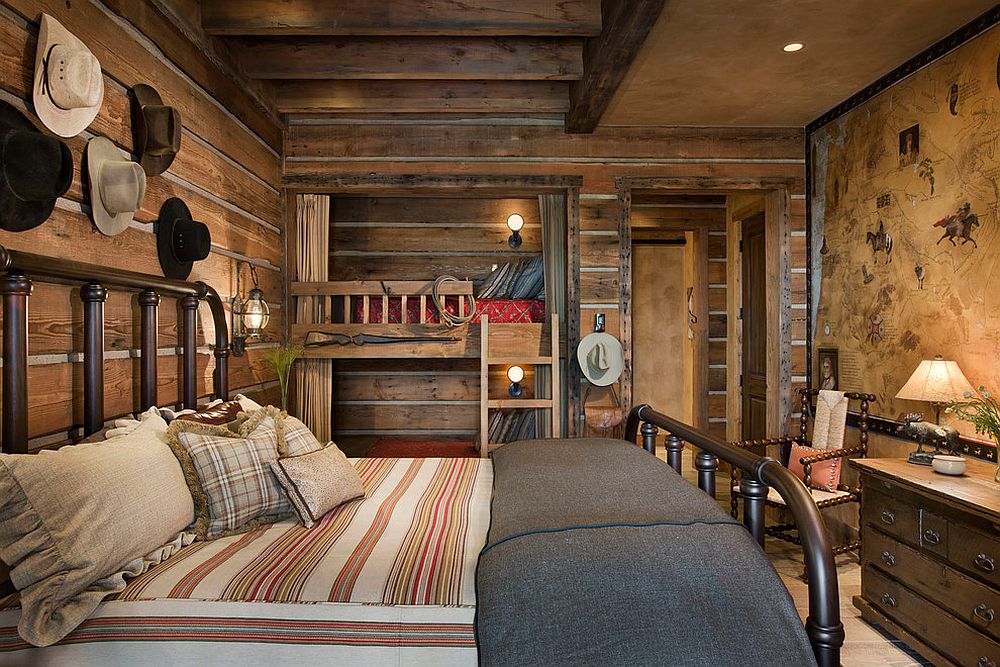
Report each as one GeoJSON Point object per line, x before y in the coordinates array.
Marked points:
{"type": "Point", "coordinates": [403, 17]}
{"type": "Point", "coordinates": [354, 96]}
{"type": "Point", "coordinates": [607, 59]}
{"type": "Point", "coordinates": [512, 58]}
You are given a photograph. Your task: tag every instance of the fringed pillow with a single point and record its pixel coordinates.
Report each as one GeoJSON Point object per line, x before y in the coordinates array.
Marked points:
{"type": "Point", "coordinates": [227, 468]}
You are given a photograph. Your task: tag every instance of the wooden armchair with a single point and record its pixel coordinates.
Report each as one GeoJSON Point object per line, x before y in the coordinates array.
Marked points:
{"type": "Point", "coordinates": [824, 499]}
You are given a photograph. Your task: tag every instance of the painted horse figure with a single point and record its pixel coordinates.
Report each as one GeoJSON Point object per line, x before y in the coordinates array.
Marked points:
{"type": "Point", "coordinates": [959, 225]}
{"type": "Point", "coordinates": [880, 241]}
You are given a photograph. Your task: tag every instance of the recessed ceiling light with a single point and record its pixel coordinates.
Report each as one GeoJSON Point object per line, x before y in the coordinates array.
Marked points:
{"type": "Point", "coordinates": [793, 47]}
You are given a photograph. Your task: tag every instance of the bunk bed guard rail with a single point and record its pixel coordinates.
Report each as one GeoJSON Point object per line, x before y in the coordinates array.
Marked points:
{"type": "Point", "coordinates": [17, 269]}
{"type": "Point", "coordinates": [823, 625]}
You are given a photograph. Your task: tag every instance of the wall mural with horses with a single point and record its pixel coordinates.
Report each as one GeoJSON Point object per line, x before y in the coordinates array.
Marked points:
{"type": "Point", "coordinates": [905, 239]}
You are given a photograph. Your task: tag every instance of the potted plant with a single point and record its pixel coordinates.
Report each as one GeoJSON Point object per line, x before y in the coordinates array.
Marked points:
{"type": "Point", "coordinates": [282, 358]}
{"type": "Point", "coordinates": [981, 410]}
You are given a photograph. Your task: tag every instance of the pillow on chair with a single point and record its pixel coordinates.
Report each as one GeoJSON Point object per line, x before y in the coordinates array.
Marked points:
{"type": "Point", "coordinates": [824, 475]}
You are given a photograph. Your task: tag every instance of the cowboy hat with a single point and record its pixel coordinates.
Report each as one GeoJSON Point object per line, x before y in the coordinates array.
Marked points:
{"type": "Point", "coordinates": [180, 240]}
{"type": "Point", "coordinates": [156, 130]}
{"type": "Point", "coordinates": [35, 170]}
{"type": "Point", "coordinates": [117, 186]}
{"type": "Point", "coordinates": [69, 86]}
{"type": "Point", "coordinates": [601, 358]}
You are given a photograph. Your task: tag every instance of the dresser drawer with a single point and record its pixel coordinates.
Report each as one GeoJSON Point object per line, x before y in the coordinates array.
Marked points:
{"type": "Point", "coordinates": [969, 600]}
{"type": "Point", "coordinates": [975, 552]}
{"type": "Point", "coordinates": [890, 515]}
{"type": "Point", "coordinates": [926, 620]}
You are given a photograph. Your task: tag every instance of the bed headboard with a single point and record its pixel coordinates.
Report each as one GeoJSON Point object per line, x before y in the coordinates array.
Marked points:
{"type": "Point", "coordinates": [18, 269]}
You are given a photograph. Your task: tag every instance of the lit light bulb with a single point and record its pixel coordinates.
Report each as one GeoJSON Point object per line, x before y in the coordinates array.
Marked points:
{"type": "Point", "coordinates": [515, 373]}
{"type": "Point", "coordinates": [515, 222]}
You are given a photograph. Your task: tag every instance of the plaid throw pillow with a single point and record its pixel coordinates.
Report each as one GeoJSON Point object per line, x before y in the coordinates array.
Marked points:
{"type": "Point", "coordinates": [298, 439]}
{"type": "Point", "coordinates": [229, 473]}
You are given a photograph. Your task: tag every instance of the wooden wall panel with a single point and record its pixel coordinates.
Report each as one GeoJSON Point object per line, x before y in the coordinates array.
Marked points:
{"type": "Point", "coordinates": [228, 172]}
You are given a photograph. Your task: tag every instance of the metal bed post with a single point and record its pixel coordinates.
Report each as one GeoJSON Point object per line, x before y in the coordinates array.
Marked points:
{"type": "Point", "coordinates": [93, 295]}
{"type": "Point", "coordinates": [15, 289]}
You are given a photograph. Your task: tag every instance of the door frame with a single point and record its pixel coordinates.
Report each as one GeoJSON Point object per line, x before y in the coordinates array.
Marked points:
{"type": "Point", "coordinates": [779, 309]}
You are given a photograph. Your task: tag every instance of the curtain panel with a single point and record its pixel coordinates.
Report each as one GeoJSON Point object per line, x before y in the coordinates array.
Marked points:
{"type": "Point", "coordinates": [553, 219]}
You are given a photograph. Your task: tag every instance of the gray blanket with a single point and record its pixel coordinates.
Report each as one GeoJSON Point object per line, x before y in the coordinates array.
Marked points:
{"type": "Point", "coordinates": [599, 554]}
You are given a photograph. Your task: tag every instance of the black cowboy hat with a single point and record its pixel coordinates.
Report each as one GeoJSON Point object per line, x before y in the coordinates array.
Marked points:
{"type": "Point", "coordinates": [35, 170]}
{"type": "Point", "coordinates": [180, 240]}
{"type": "Point", "coordinates": [156, 130]}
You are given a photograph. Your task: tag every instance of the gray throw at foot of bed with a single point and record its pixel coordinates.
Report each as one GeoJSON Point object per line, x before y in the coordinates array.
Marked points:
{"type": "Point", "coordinates": [600, 554]}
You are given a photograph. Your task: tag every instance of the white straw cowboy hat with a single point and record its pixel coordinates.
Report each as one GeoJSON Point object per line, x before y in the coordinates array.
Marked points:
{"type": "Point", "coordinates": [601, 358]}
{"type": "Point", "coordinates": [117, 186]}
{"type": "Point", "coordinates": [69, 86]}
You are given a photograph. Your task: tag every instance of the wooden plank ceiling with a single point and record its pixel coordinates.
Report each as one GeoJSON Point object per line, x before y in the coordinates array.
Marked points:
{"type": "Point", "coordinates": [453, 58]}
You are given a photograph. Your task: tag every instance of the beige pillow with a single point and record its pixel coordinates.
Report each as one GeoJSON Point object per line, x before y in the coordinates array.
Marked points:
{"type": "Point", "coordinates": [318, 482]}
{"type": "Point", "coordinates": [296, 438]}
{"type": "Point", "coordinates": [228, 472]}
{"type": "Point", "coordinates": [75, 521]}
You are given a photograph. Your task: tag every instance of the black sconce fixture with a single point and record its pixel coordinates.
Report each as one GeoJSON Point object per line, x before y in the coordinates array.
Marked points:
{"type": "Point", "coordinates": [514, 224]}
{"type": "Point", "coordinates": [515, 374]}
{"type": "Point", "coordinates": [249, 315]}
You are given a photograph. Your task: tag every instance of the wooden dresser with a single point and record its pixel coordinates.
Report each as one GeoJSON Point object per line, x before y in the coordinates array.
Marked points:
{"type": "Point", "coordinates": [930, 557]}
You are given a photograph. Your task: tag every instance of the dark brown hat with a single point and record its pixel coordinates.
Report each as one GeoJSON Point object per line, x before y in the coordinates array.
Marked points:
{"type": "Point", "coordinates": [35, 170]}
{"type": "Point", "coordinates": [180, 240]}
{"type": "Point", "coordinates": [156, 130]}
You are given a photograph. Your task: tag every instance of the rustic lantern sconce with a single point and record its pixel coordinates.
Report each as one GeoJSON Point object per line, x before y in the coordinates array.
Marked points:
{"type": "Point", "coordinates": [249, 315]}
{"type": "Point", "coordinates": [514, 223]}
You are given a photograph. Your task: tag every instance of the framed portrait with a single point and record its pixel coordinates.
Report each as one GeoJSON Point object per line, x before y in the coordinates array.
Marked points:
{"type": "Point", "coordinates": [829, 370]}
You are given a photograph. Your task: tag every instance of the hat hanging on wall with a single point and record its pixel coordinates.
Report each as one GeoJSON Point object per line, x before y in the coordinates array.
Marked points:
{"type": "Point", "coordinates": [117, 186]}
{"type": "Point", "coordinates": [69, 86]}
{"type": "Point", "coordinates": [156, 130]}
{"type": "Point", "coordinates": [601, 358]}
{"type": "Point", "coordinates": [35, 170]}
{"type": "Point", "coordinates": [180, 240]}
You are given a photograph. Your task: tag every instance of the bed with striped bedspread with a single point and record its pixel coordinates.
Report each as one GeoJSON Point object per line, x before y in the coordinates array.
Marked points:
{"type": "Point", "coordinates": [389, 579]}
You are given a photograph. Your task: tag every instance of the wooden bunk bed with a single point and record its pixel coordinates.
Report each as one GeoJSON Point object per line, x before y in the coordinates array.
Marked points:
{"type": "Point", "coordinates": [400, 320]}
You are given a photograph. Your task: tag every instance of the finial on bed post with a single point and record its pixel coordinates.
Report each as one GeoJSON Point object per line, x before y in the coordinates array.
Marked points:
{"type": "Point", "coordinates": [675, 448]}
{"type": "Point", "coordinates": [189, 305]}
{"type": "Point", "coordinates": [15, 289]}
{"type": "Point", "coordinates": [93, 295]}
{"type": "Point", "coordinates": [649, 432]}
{"type": "Point", "coordinates": [753, 493]}
{"type": "Point", "coordinates": [149, 301]}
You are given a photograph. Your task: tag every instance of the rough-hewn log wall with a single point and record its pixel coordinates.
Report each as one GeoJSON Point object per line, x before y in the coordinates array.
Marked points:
{"type": "Point", "coordinates": [228, 172]}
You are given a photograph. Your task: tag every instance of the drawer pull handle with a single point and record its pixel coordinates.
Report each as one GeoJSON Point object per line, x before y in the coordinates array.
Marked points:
{"type": "Point", "coordinates": [888, 600]}
{"type": "Point", "coordinates": [888, 517]}
{"type": "Point", "coordinates": [983, 613]}
{"type": "Point", "coordinates": [888, 558]}
{"type": "Point", "coordinates": [932, 537]}
{"type": "Point", "coordinates": [986, 662]}
{"type": "Point", "coordinates": [984, 563]}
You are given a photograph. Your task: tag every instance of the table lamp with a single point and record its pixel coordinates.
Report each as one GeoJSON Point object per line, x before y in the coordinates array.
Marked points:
{"type": "Point", "coordinates": [936, 381]}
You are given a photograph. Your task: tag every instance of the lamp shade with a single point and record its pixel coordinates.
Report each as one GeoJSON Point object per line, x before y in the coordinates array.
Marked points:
{"type": "Point", "coordinates": [935, 381]}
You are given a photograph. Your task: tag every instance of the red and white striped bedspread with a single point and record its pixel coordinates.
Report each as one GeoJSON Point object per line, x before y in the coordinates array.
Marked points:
{"type": "Point", "coordinates": [389, 579]}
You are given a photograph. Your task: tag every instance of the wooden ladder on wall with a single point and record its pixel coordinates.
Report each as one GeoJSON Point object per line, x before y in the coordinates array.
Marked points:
{"type": "Point", "coordinates": [551, 360]}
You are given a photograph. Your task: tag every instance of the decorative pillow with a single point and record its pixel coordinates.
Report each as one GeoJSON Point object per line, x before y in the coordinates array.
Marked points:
{"type": "Point", "coordinates": [824, 475]}
{"type": "Point", "coordinates": [247, 403]}
{"type": "Point", "coordinates": [75, 521]}
{"type": "Point", "coordinates": [233, 487]}
{"type": "Point", "coordinates": [217, 413]}
{"type": "Point", "coordinates": [297, 438]}
{"type": "Point", "coordinates": [318, 482]}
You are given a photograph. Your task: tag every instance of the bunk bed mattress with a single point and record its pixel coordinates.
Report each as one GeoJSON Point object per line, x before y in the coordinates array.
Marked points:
{"type": "Point", "coordinates": [392, 575]}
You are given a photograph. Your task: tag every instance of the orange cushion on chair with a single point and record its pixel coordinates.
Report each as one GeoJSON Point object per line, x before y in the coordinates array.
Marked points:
{"type": "Point", "coordinates": [824, 475]}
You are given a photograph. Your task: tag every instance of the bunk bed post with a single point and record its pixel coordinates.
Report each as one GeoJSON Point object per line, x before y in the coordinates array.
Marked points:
{"type": "Point", "coordinates": [93, 295]}
{"type": "Point", "coordinates": [484, 374]}
{"type": "Point", "coordinates": [189, 304]}
{"type": "Point", "coordinates": [149, 301]}
{"type": "Point", "coordinates": [15, 289]}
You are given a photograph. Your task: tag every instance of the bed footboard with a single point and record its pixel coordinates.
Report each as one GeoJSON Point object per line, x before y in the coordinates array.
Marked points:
{"type": "Point", "coordinates": [823, 625]}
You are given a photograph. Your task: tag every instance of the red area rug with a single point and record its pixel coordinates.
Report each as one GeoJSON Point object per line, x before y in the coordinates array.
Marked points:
{"type": "Point", "coordinates": [421, 449]}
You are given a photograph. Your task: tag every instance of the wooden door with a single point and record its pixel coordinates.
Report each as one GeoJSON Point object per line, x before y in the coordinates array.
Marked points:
{"type": "Point", "coordinates": [754, 329]}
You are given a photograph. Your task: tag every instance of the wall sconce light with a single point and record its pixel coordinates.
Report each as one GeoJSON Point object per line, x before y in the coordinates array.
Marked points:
{"type": "Point", "coordinates": [514, 224]}
{"type": "Point", "coordinates": [249, 315]}
{"type": "Point", "coordinates": [515, 374]}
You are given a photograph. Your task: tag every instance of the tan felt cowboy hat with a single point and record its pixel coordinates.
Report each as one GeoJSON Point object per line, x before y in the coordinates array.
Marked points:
{"type": "Point", "coordinates": [35, 170]}
{"type": "Point", "coordinates": [601, 358]}
{"type": "Point", "coordinates": [69, 86]}
{"type": "Point", "coordinates": [117, 186]}
{"type": "Point", "coordinates": [156, 130]}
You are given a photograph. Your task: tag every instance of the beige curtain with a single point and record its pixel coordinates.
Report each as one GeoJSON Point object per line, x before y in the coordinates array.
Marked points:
{"type": "Point", "coordinates": [313, 377]}
{"type": "Point", "coordinates": [553, 219]}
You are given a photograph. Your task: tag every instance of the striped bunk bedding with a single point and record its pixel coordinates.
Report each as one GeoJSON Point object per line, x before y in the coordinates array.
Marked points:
{"type": "Point", "coordinates": [394, 573]}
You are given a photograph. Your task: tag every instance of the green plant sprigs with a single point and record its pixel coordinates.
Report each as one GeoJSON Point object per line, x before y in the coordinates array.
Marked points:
{"type": "Point", "coordinates": [282, 358]}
